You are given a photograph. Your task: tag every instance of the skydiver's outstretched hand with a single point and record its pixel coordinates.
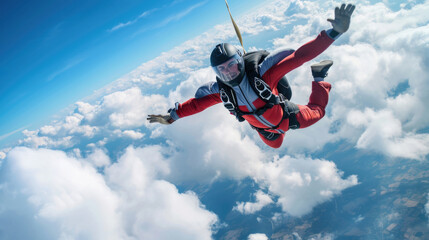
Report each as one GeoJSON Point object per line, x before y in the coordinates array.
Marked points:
{"type": "Point", "coordinates": [163, 119]}
{"type": "Point", "coordinates": [341, 22]}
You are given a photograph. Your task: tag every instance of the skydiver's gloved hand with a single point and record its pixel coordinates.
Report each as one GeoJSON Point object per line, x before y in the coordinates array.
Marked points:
{"type": "Point", "coordinates": [163, 119]}
{"type": "Point", "coordinates": [343, 14]}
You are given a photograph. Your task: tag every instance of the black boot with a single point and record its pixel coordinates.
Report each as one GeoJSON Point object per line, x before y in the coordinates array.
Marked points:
{"type": "Point", "coordinates": [320, 70]}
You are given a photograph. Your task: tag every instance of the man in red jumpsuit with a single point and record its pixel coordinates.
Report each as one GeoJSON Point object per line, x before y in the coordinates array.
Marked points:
{"type": "Point", "coordinates": [273, 121]}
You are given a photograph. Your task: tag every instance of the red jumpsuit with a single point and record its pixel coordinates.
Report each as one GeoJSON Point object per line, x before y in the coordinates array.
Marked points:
{"type": "Point", "coordinates": [272, 69]}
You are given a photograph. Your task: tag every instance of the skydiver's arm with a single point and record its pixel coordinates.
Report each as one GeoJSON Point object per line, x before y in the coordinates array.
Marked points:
{"type": "Point", "coordinates": [206, 96]}
{"type": "Point", "coordinates": [311, 49]}
{"type": "Point", "coordinates": [194, 105]}
{"type": "Point", "coordinates": [303, 54]}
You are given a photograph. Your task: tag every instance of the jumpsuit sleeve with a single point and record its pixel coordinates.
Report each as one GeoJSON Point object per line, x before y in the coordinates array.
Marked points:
{"type": "Point", "coordinates": [274, 71]}
{"type": "Point", "coordinates": [206, 96]}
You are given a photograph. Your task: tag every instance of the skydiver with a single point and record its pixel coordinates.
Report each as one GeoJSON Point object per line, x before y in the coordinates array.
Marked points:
{"type": "Point", "coordinates": [248, 85]}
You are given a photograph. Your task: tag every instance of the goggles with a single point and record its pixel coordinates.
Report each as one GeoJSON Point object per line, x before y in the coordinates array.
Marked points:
{"type": "Point", "coordinates": [230, 69]}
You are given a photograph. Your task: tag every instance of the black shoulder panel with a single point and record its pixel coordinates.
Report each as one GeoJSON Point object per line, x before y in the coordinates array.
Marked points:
{"type": "Point", "coordinates": [251, 62]}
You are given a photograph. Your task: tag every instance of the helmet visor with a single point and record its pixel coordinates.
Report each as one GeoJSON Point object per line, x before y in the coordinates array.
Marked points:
{"type": "Point", "coordinates": [230, 69]}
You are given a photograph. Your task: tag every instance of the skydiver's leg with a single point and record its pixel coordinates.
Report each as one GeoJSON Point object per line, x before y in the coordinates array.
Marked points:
{"type": "Point", "coordinates": [315, 109]}
{"type": "Point", "coordinates": [273, 140]}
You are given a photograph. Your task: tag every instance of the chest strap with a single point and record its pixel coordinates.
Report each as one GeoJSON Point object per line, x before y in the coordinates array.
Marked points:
{"type": "Point", "coordinates": [290, 110]}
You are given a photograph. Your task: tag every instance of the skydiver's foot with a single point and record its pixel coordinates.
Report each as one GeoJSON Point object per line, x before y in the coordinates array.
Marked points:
{"type": "Point", "coordinates": [320, 70]}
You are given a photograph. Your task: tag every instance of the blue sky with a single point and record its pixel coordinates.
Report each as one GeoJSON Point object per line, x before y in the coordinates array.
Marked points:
{"type": "Point", "coordinates": [57, 52]}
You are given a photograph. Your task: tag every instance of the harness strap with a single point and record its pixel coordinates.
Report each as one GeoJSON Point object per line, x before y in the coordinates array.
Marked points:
{"type": "Point", "coordinates": [290, 110]}
{"type": "Point", "coordinates": [258, 112]}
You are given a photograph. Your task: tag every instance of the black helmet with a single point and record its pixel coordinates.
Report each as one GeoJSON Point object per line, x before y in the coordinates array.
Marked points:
{"type": "Point", "coordinates": [224, 58]}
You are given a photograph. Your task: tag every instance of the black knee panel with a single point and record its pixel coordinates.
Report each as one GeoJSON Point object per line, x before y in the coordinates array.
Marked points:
{"type": "Point", "coordinates": [269, 135]}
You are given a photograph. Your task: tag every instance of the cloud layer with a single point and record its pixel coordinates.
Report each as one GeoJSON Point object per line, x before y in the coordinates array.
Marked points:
{"type": "Point", "coordinates": [262, 200]}
{"type": "Point", "coordinates": [302, 183]}
{"type": "Point", "coordinates": [127, 202]}
{"type": "Point", "coordinates": [427, 208]}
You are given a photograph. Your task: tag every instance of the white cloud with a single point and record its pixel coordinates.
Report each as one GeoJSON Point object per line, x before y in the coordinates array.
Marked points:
{"type": "Point", "coordinates": [64, 133]}
{"type": "Point", "coordinates": [359, 218]}
{"type": "Point", "coordinates": [67, 192]}
{"type": "Point", "coordinates": [34, 139]}
{"type": "Point", "coordinates": [135, 20]}
{"type": "Point", "coordinates": [262, 200]}
{"type": "Point", "coordinates": [154, 209]}
{"type": "Point", "coordinates": [257, 236]}
{"type": "Point", "coordinates": [129, 108]}
{"type": "Point", "coordinates": [87, 110]}
{"type": "Point", "coordinates": [427, 207]}
{"type": "Point", "coordinates": [181, 14]}
{"type": "Point", "coordinates": [98, 157]}
{"type": "Point", "coordinates": [73, 124]}
{"type": "Point", "coordinates": [129, 133]}
{"type": "Point", "coordinates": [381, 54]}
{"type": "Point", "coordinates": [322, 236]}
{"type": "Point", "coordinates": [213, 146]}
{"type": "Point", "coordinates": [302, 183]}
{"type": "Point", "coordinates": [49, 130]}
{"type": "Point", "coordinates": [383, 133]}
{"type": "Point", "coordinates": [129, 202]}
{"type": "Point", "coordinates": [133, 134]}
{"type": "Point", "coordinates": [136, 168]}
